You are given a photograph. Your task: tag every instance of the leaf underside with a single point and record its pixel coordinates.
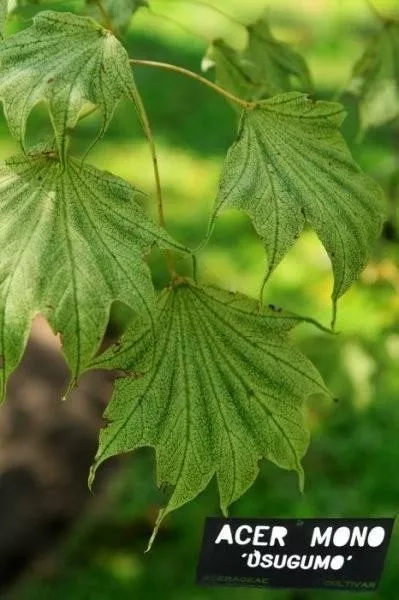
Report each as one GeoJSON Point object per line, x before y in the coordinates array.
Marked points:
{"type": "Point", "coordinates": [72, 242]}
{"type": "Point", "coordinates": [264, 68]}
{"type": "Point", "coordinates": [375, 79]}
{"type": "Point", "coordinates": [67, 62]}
{"type": "Point", "coordinates": [290, 166]}
{"type": "Point", "coordinates": [226, 389]}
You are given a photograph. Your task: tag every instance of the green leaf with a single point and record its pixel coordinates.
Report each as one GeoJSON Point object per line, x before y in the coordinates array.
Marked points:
{"type": "Point", "coordinates": [67, 62]}
{"type": "Point", "coordinates": [266, 67]}
{"type": "Point", "coordinates": [375, 79]}
{"type": "Point", "coordinates": [226, 389]}
{"type": "Point", "coordinates": [119, 12]}
{"type": "Point", "coordinates": [289, 167]}
{"type": "Point", "coordinates": [3, 14]}
{"type": "Point", "coordinates": [72, 241]}
{"type": "Point", "coordinates": [231, 72]}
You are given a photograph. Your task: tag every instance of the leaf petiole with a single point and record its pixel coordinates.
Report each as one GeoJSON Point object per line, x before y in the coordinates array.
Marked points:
{"type": "Point", "coordinates": [145, 123]}
{"type": "Point", "coordinates": [105, 15]}
{"type": "Point", "coordinates": [203, 80]}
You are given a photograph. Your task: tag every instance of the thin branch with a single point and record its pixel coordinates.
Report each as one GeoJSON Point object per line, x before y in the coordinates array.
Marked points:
{"type": "Point", "coordinates": [145, 123]}
{"type": "Point", "coordinates": [216, 88]}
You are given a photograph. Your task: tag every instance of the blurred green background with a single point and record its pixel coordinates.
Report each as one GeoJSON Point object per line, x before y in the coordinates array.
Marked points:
{"type": "Point", "coordinates": [352, 464]}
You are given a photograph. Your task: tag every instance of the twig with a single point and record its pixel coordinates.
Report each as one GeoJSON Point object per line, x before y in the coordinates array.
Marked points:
{"type": "Point", "coordinates": [169, 67]}
{"type": "Point", "coordinates": [148, 133]}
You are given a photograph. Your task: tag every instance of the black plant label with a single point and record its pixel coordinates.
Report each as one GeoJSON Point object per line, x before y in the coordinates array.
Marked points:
{"type": "Point", "coordinates": [341, 554]}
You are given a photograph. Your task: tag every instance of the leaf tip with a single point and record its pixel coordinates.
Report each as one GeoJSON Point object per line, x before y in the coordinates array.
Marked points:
{"type": "Point", "coordinates": [92, 475]}
{"type": "Point", "coordinates": [69, 389]}
{"type": "Point", "coordinates": [225, 510]}
{"type": "Point", "coordinates": [162, 513]}
{"type": "Point", "coordinates": [301, 478]}
{"type": "Point", "coordinates": [334, 315]}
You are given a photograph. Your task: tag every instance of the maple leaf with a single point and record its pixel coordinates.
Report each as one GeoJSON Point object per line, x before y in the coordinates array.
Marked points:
{"type": "Point", "coordinates": [290, 166]}
{"type": "Point", "coordinates": [226, 388]}
{"type": "Point", "coordinates": [375, 78]}
{"type": "Point", "coordinates": [73, 240]}
{"type": "Point", "coordinates": [67, 62]}
{"type": "Point", "coordinates": [264, 68]}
